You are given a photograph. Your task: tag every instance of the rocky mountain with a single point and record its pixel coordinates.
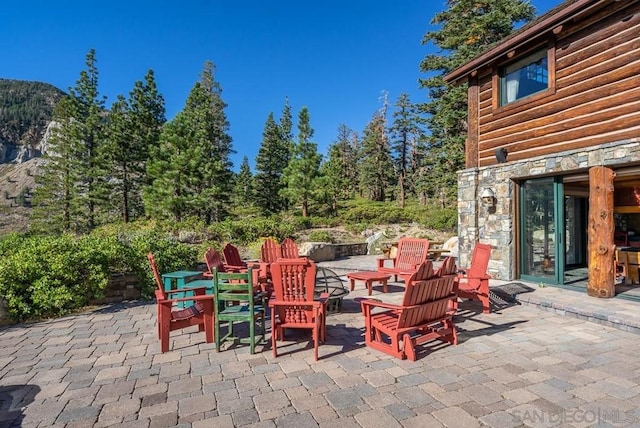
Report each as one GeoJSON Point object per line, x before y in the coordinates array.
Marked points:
{"type": "Point", "coordinates": [26, 109]}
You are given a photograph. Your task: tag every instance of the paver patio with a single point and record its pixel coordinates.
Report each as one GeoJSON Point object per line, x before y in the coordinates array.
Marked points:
{"type": "Point", "coordinates": [518, 366]}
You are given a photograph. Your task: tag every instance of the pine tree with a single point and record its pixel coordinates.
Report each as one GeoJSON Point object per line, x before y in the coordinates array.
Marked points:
{"type": "Point", "coordinates": [217, 171]}
{"type": "Point", "coordinates": [243, 192]}
{"type": "Point", "coordinates": [90, 121]}
{"type": "Point", "coordinates": [376, 166]}
{"type": "Point", "coordinates": [190, 171]}
{"type": "Point", "coordinates": [273, 157]}
{"type": "Point", "coordinates": [134, 127]}
{"type": "Point", "coordinates": [73, 178]}
{"type": "Point", "coordinates": [340, 169]}
{"type": "Point", "coordinates": [303, 169]}
{"type": "Point", "coordinates": [466, 28]}
{"type": "Point", "coordinates": [55, 193]}
{"type": "Point", "coordinates": [405, 131]}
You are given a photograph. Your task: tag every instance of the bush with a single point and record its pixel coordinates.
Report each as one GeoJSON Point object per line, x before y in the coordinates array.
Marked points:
{"type": "Point", "coordinates": [51, 276]}
{"type": "Point", "coordinates": [320, 236]}
{"type": "Point", "coordinates": [54, 275]}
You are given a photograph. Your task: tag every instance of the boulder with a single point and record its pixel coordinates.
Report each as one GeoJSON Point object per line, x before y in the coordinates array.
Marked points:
{"type": "Point", "coordinates": [317, 251]}
{"type": "Point", "coordinates": [451, 245]}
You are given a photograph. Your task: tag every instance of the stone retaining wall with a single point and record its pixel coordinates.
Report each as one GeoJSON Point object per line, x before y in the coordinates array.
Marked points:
{"type": "Point", "coordinates": [494, 225]}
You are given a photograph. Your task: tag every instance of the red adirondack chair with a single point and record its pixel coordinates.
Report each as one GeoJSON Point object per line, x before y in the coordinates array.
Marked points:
{"type": "Point", "coordinates": [233, 261]}
{"type": "Point", "coordinates": [473, 283]}
{"type": "Point", "coordinates": [270, 251]}
{"type": "Point", "coordinates": [169, 319]}
{"type": "Point", "coordinates": [425, 314]}
{"type": "Point", "coordinates": [289, 249]}
{"type": "Point", "coordinates": [213, 260]}
{"type": "Point", "coordinates": [294, 305]}
{"type": "Point", "coordinates": [412, 252]}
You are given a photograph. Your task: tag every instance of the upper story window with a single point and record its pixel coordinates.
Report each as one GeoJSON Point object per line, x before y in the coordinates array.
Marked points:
{"type": "Point", "coordinates": [524, 77]}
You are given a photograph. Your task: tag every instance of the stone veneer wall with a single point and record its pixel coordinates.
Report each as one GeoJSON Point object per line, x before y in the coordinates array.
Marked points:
{"type": "Point", "coordinates": [494, 225]}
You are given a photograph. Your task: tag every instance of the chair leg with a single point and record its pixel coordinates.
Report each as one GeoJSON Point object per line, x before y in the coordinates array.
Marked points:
{"type": "Point", "coordinates": [252, 336]}
{"type": "Point", "coordinates": [408, 348]}
{"type": "Point", "coordinates": [274, 346]}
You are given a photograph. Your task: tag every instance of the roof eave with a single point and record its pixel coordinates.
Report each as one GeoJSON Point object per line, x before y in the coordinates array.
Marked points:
{"type": "Point", "coordinates": [537, 29]}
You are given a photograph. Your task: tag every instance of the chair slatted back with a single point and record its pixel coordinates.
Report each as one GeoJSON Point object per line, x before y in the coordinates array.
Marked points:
{"type": "Point", "coordinates": [448, 267]}
{"type": "Point", "coordinates": [214, 260]}
{"type": "Point", "coordinates": [232, 255]}
{"type": "Point", "coordinates": [289, 249]}
{"type": "Point", "coordinates": [411, 253]}
{"type": "Point", "coordinates": [426, 300]}
{"type": "Point", "coordinates": [270, 251]}
{"type": "Point", "coordinates": [479, 261]}
{"type": "Point", "coordinates": [160, 293]}
{"type": "Point", "coordinates": [294, 281]}
{"type": "Point", "coordinates": [233, 287]}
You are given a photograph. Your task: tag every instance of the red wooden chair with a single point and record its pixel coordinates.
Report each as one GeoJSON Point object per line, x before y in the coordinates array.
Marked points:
{"type": "Point", "coordinates": [412, 252]}
{"type": "Point", "coordinates": [270, 251]}
{"type": "Point", "coordinates": [424, 315]}
{"type": "Point", "coordinates": [201, 313]}
{"type": "Point", "coordinates": [289, 249]}
{"type": "Point", "coordinates": [233, 261]}
{"type": "Point", "coordinates": [213, 259]}
{"type": "Point", "coordinates": [473, 283]}
{"type": "Point", "coordinates": [293, 306]}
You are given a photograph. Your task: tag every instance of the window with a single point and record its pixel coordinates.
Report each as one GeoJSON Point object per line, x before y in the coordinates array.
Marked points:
{"type": "Point", "coordinates": [524, 77]}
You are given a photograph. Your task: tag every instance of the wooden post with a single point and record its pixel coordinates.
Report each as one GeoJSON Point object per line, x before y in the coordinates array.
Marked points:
{"type": "Point", "coordinates": [601, 226]}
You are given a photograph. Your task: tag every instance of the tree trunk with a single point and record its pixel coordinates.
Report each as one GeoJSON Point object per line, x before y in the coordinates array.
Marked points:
{"type": "Point", "coordinates": [601, 226]}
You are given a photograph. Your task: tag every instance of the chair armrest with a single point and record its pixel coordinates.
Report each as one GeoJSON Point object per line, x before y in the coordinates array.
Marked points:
{"type": "Point", "coordinates": [323, 297]}
{"type": "Point", "coordinates": [203, 290]}
{"type": "Point", "coordinates": [188, 299]}
{"type": "Point", "coordinates": [379, 304]}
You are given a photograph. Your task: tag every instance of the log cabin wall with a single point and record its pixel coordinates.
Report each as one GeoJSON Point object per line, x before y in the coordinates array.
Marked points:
{"type": "Point", "coordinates": [594, 97]}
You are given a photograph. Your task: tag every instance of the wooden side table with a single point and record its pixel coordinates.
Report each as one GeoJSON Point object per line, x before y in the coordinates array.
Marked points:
{"type": "Point", "coordinates": [368, 277]}
{"type": "Point", "coordinates": [177, 280]}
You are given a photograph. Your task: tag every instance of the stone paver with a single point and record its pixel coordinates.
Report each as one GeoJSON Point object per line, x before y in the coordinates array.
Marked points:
{"type": "Point", "coordinates": [518, 366]}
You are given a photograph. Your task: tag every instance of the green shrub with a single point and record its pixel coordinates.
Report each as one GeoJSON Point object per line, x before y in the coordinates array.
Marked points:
{"type": "Point", "coordinates": [320, 236]}
{"type": "Point", "coordinates": [51, 276]}
{"type": "Point", "coordinates": [48, 276]}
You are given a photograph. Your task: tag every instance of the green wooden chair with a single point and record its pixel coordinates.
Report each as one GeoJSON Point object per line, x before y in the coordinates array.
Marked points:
{"type": "Point", "coordinates": [235, 302]}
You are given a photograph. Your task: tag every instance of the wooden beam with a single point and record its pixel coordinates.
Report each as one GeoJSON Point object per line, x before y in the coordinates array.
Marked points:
{"type": "Point", "coordinates": [601, 227]}
{"type": "Point", "coordinates": [473, 105]}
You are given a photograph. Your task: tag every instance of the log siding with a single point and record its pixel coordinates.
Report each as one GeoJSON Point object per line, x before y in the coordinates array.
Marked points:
{"type": "Point", "coordinates": [595, 100]}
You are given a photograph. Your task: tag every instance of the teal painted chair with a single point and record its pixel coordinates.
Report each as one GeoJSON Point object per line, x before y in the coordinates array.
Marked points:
{"type": "Point", "coordinates": [238, 301]}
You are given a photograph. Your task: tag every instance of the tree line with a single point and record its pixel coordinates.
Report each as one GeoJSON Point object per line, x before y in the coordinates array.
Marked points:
{"type": "Point", "coordinates": [128, 162]}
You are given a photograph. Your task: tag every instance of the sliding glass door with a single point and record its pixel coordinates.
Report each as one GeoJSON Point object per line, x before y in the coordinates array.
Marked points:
{"type": "Point", "coordinates": [542, 230]}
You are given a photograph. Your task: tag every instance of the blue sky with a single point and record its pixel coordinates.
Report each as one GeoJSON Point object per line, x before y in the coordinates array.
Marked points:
{"type": "Point", "coordinates": [336, 57]}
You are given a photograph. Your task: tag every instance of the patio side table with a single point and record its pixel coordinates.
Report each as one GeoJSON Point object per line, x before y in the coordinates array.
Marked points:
{"type": "Point", "coordinates": [177, 280]}
{"type": "Point", "coordinates": [369, 277]}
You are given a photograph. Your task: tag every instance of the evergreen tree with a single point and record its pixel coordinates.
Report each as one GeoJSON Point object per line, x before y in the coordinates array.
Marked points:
{"type": "Point", "coordinates": [73, 178]}
{"type": "Point", "coordinates": [303, 169]}
{"type": "Point", "coordinates": [56, 192]}
{"type": "Point", "coordinates": [340, 169]}
{"type": "Point", "coordinates": [273, 157]}
{"type": "Point", "coordinates": [244, 184]}
{"type": "Point", "coordinates": [466, 28]}
{"type": "Point", "coordinates": [217, 174]}
{"type": "Point", "coordinates": [376, 168]}
{"type": "Point", "coordinates": [190, 170]}
{"type": "Point", "coordinates": [91, 121]}
{"type": "Point", "coordinates": [405, 131]}
{"type": "Point", "coordinates": [147, 117]}
{"type": "Point", "coordinates": [134, 127]}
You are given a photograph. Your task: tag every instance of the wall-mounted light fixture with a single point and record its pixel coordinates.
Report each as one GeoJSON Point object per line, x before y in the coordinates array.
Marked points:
{"type": "Point", "coordinates": [488, 197]}
{"type": "Point", "coordinates": [501, 154]}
